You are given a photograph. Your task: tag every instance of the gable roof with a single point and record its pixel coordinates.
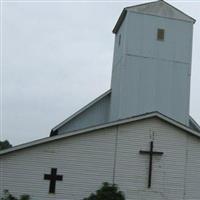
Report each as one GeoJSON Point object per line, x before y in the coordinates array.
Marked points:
{"type": "Point", "coordinates": [192, 124]}
{"type": "Point", "coordinates": [157, 8]}
{"type": "Point", "coordinates": [105, 94]}
{"type": "Point", "coordinates": [107, 125]}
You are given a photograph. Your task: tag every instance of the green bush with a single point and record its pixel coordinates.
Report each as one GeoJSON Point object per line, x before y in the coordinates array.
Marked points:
{"type": "Point", "coordinates": [107, 192]}
{"type": "Point", "coordinates": [25, 197]}
{"type": "Point", "coordinates": [5, 145]}
{"type": "Point", "coordinates": [8, 196]}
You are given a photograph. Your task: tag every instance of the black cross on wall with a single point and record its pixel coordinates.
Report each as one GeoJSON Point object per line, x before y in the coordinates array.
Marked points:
{"type": "Point", "coordinates": [151, 153]}
{"type": "Point", "coordinates": [53, 177]}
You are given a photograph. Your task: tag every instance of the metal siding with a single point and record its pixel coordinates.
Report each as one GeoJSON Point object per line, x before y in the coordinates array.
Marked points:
{"type": "Point", "coordinates": [118, 60]}
{"type": "Point", "coordinates": [119, 49]}
{"type": "Point", "coordinates": [115, 98]}
{"type": "Point", "coordinates": [94, 115]}
{"type": "Point", "coordinates": [142, 38]}
{"type": "Point", "coordinates": [154, 75]}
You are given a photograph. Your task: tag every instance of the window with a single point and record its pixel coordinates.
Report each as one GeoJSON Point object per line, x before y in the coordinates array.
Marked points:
{"type": "Point", "coordinates": [160, 34]}
{"type": "Point", "coordinates": [119, 41]}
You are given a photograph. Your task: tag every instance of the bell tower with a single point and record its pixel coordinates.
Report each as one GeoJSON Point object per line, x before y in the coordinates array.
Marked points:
{"type": "Point", "coordinates": [152, 62]}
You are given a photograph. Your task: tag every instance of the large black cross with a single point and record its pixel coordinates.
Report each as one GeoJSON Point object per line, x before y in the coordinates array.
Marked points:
{"type": "Point", "coordinates": [151, 153]}
{"type": "Point", "coordinates": [53, 177]}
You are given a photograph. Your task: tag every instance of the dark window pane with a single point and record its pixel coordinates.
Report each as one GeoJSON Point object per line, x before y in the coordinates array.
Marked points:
{"type": "Point", "coordinates": [160, 34]}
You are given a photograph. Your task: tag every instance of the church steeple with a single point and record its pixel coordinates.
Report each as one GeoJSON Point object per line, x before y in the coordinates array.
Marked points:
{"type": "Point", "coordinates": [152, 62]}
{"type": "Point", "coordinates": [151, 69]}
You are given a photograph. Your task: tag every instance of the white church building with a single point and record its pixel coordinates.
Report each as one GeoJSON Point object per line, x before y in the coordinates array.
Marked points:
{"type": "Point", "coordinates": [138, 135]}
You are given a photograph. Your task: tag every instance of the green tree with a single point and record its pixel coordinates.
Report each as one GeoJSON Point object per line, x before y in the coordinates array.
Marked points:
{"type": "Point", "coordinates": [107, 192]}
{"type": "Point", "coordinates": [8, 196]}
{"type": "Point", "coordinates": [5, 145]}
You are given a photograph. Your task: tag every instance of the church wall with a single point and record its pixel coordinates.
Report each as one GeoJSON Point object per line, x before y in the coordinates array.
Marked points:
{"type": "Point", "coordinates": [193, 169]}
{"type": "Point", "coordinates": [85, 161]}
{"type": "Point", "coordinates": [168, 169]}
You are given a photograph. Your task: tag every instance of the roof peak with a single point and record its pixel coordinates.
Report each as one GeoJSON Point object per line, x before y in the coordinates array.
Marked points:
{"type": "Point", "coordinates": [158, 8]}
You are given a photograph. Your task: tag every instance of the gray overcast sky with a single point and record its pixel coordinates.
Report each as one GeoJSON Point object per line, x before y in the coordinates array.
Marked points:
{"type": "Point", "coordinates": [57, 57]}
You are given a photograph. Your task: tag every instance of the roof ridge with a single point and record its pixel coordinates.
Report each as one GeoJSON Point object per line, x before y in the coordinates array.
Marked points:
{"type": "Point", "coordinates": [179, 15]}
{"type": "Point", "coordinates": [98, 127]}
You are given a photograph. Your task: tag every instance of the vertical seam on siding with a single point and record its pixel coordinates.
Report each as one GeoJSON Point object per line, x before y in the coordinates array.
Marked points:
{"type": "Point", "coordinates": [1, 174]}
{"type": "Point", "coordinates": [115, 154]}
{"type": "Point", "coordinates": [185, 166]}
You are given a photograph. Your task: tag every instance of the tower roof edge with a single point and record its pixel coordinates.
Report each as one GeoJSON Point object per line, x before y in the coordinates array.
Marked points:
{"type": "Point", "coordinates": [157, 8]}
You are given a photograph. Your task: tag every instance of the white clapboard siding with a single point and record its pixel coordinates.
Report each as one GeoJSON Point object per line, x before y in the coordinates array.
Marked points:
{"type": "Point", "coordinates": [193, 169]}
{"type": "Point", "coordinates": [87, 160]}
{"type": "Point", "coordinates": [168, 169]}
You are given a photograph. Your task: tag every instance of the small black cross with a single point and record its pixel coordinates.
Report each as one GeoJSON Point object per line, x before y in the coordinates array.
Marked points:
{"type": "Point", "coordinates": [53, 177]}
{"type": "Point", "coordinates": [151, 153]}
